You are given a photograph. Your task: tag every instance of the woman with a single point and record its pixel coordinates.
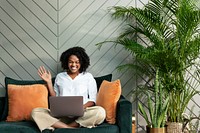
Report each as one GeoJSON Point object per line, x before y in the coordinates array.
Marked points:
{"type": "Point", "coordinates": [74, 81]}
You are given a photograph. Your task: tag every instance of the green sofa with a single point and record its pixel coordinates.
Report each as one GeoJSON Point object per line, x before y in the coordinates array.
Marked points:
{"type": "Point", "coordinates": [123, 117]}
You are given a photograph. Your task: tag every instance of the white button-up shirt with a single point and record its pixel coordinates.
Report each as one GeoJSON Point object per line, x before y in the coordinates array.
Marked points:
{"type": "Point", "coordinates": [82, 85]}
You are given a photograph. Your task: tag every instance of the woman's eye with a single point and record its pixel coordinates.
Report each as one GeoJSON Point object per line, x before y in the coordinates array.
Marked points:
{"type": "Point", "coordinates": [73, 62]}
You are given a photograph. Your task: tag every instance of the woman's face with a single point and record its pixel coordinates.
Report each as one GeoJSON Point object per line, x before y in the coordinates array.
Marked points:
{"type": "Point", "coordinates": [74, 64]}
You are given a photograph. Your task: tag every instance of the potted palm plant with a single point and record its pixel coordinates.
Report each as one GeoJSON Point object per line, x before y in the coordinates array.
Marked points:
{"type": "Point", "coordinates": [171, 30]}
{"type": "Point", "coordinates": [157, 108]}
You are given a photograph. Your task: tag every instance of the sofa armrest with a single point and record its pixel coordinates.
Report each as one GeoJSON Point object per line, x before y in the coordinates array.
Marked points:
{"type": "Point", "coordinates": [124, 115]}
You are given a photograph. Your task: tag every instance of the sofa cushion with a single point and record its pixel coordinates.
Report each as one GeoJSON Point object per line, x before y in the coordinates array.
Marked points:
{"type": "Point", "coordinates": [18, 127]}
{"type": "Point", "coordinates": [109, 94]}
{"type": "Point", "coordinates": [15, 82]}
{"type": "Point", "coordinates": [22, 99]}
{"type": "Point", "coordinates": [31, 127]}
{"type": "Point", "coordinates": [103, 128]}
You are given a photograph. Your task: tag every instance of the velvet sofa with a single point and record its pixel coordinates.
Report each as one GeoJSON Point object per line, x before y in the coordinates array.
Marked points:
{"type": "Point", "coordinates": [123, 115]}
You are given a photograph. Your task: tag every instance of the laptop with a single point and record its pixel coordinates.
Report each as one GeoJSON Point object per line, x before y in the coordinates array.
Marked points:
{"type": "Point", "coordinates": [62, 106]}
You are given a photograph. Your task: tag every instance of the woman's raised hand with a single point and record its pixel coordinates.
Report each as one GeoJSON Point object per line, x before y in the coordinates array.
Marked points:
{"type": "Point", "coordinates": [44, 74]}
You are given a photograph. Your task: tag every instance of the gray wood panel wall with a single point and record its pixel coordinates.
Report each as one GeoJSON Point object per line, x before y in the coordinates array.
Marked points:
{"type": "Point", "coordinates": [34, 33]}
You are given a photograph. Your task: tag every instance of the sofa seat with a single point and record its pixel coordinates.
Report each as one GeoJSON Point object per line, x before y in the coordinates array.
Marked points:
{"type": "Point", "coordinates": [31, 127]}
{"type": "Point", "coordinates": [105, 127]}
{"type": "Point", "coordinates": [18, 127]}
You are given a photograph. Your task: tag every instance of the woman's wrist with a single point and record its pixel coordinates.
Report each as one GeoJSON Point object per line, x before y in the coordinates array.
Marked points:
{"type": "Point", "coordinates": [88, 104]}
{"type": "Point", "coordinates": [49, 82]}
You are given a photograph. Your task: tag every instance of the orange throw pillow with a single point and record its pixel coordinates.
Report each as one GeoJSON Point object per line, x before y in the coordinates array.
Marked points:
{"type": "Point", "coordinates": [23, 98]}
{"type": "Point", "coordinates": [108, 96]}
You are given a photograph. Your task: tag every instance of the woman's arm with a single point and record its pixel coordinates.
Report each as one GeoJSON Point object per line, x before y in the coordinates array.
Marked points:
{"type": "Point", "coordinates": [46, 76]}
{"type": "Point", "coordinates": [92, 92]}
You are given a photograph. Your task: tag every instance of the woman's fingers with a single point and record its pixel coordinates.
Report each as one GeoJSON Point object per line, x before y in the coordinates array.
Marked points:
{"type": "Point", "coordinates": [48, 72]}
{"type": "Point", "coordinates": [41, 70]}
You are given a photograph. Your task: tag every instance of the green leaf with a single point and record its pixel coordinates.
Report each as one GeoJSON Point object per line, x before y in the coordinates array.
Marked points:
{"type": "Point", "coordinates": [144, 114]}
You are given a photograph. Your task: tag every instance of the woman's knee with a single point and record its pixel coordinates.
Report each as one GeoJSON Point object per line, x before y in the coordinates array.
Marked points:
{"type": "Point", "coordinates": [101, 113]}
{"type": "Point", "coordinates": [93, 116]}
{"type": "Point", "coordinates": [36, 111]}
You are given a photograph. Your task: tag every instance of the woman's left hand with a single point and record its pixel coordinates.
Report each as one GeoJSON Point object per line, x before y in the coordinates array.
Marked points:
{"type": "Point", "coordinates": [88, 104]}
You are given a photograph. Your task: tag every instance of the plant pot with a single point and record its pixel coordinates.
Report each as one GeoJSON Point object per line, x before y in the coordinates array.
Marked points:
{"type": "Point", "coordinates": [174, 127]}
{"type": "Point", "coordinates": [156, 130]}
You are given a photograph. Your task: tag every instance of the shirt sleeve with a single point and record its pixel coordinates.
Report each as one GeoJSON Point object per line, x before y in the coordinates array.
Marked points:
{"type": "Point", "coordinates": [92, 89]}
{"type": "Point", "coordinates": [56, 86]}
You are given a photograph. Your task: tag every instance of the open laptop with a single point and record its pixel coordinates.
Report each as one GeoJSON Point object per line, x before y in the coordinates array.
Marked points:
{"type": "Point", "coordinates": [62, 106]}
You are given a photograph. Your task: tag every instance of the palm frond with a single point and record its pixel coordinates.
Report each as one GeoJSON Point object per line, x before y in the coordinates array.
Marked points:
{"type": "Point", "coordinates": [170, 30]}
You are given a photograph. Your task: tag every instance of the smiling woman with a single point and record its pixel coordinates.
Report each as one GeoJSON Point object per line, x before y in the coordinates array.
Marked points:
{"type": "Point", "coordinates": [74, 81]}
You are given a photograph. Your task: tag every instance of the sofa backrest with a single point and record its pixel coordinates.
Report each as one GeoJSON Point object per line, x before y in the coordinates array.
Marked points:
{"type": "Point", "coordinates": [2, 102]}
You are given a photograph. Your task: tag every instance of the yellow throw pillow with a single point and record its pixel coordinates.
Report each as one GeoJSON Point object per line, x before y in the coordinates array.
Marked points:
{"type": "Point", "coordinates": [108, 95]}
{"type": "Point", "coordinates": [23, 98]}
